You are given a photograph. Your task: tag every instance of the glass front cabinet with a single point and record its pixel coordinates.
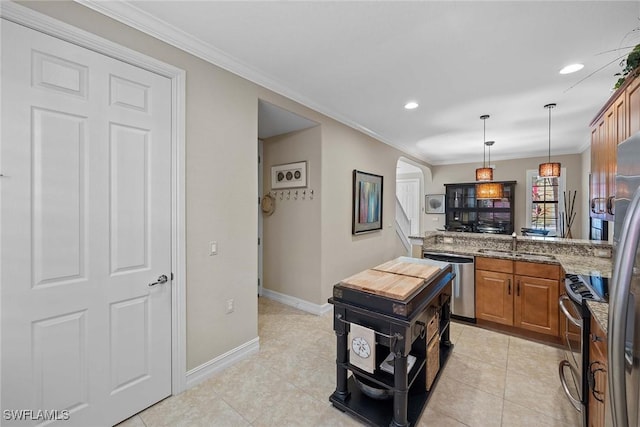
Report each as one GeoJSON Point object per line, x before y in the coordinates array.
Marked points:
{"type": "Point", "coordinates": [464, 212]}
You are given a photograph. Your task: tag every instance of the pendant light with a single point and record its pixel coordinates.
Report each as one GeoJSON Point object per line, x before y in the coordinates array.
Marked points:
{"type": "Point", "coordinates": [549, 169]}
{"type": "Point", "coordinates": [484, 173]}
{"type": "Point", "coordinates": [489, 190]}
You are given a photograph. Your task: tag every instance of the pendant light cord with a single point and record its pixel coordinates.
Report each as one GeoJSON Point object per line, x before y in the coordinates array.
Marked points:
{"type": "Point", "coordinates": [484, 147]}
{"type": "Point", "coordinates": [550, 106]}
{"type": "Point", "coordinates": [484, 118]}
{"type": "Point", "coordinates": [550, 134]}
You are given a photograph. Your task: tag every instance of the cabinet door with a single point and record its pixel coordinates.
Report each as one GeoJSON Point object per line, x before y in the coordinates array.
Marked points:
{"type": "Point", "coordinates": [536, 304]}
{"type": "Point", "coordinates": [598, 373]}
{"type": "Point", "coordinates": [610, 148]}
{"type": "Point", "coordinates": [633, 107]}
{"type": "Point", "coordinates": [494, 297]}
{"type": "Point", "coordinates": [594, 183]}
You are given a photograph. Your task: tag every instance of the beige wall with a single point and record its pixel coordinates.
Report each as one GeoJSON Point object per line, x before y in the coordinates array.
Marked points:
{"type": "Point", "coordinates": [222, 190]}
{"type": "Point", "coordinates": [510, 170]}
{"type": "Point", "coordinates": [291, 257]}
{"type": "Point", "coordinates": [344, 254]}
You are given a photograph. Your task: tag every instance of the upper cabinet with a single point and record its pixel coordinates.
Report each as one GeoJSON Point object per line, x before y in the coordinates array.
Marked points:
{"type": "Point", "coordinates": [617, 120]}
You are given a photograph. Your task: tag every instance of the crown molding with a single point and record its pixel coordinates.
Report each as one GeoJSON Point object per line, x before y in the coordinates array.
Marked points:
{"type": "Point", "coordinates": [140, 20]}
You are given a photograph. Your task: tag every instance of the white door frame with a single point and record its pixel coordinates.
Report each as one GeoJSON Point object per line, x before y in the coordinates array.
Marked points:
{"type": "Point", "coordinates": [47, 25]}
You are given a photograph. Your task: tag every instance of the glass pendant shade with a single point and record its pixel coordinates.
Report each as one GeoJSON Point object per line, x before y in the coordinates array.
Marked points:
{"type": "Point", "coordinates": [549, 170]}
{"type": "Point", "coordinates": [484, 174]}
{"type": "Point", "coordinates": [489, 190]}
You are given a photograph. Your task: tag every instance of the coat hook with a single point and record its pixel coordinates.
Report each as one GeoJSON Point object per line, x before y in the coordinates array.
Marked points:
{"type": "Point", "coordinates": [304, 194]}
{"type": "Point", "coordinates": [311, 194]}
{"type": "Point", "coordinates": [281, 194]}
{"type": "Point", "coordinates": [295, 195]}
{"type": "Point", "coordinates": [288, 194]}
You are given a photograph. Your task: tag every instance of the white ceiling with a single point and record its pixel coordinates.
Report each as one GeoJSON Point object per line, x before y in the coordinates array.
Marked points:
{"type": "Point", "coordinates": [360, 62]}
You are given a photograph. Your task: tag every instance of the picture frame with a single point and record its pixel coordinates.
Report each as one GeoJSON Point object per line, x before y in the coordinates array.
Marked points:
{"type": "Point", "coordinates": [367, 202]}
{"type": "Point", "coordinates": [289, 175]}
{"type": "Point", "coordinates": [434, 203]}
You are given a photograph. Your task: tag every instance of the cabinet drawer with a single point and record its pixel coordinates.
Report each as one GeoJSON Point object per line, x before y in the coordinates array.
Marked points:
{"type": "Point", "coordinates": [532, 269]}
{"type": "Point", "coordinates": [494, 264]}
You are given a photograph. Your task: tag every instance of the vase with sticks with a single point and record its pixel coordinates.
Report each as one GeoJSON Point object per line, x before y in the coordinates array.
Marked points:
{"type": "Point", "coordinates": [569, 214]}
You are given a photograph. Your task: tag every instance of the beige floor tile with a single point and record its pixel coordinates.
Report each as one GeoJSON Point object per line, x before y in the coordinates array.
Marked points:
{"type": "Point", "coordinates": [249, 386]}
{"type": "Point", "coordinates": [540, 394]}
{"type": "Point", "coordinates": [333, 417]}
{"type": "Point", "coordinates": [491, 379]}
{"type": "Point", "coordinates": [515, 415]}
{"type": "Point", "coordinates": [466, 404]}
{"type": "Point", "coordinates": [433, 418]}
{"type": "Point", "coordinates": [291, 407]}
{"type": "Point", "coordinates": [455, 330]}
{"type": "Point", "coordinates": [485, 376]}
{"type": "Point", "coordinates": [483, 345]}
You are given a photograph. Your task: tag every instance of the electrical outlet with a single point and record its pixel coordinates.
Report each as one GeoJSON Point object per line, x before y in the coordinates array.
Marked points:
{"type": "Point", "coordinates": [229, 306]}
{"type": "Point", "coordinates": [447, 240]}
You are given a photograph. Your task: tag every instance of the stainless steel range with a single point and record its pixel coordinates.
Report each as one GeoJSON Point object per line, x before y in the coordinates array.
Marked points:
{"type": "Point", "coordinates": [579, 289]}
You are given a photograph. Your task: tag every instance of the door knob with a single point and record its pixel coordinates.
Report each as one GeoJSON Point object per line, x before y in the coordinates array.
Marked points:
{"type": "Point", "coordinates": [161, 279]}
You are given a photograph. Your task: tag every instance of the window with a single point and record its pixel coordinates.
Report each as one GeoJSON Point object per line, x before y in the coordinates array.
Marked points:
{"type": "Point", "coordinates": [543, 201]}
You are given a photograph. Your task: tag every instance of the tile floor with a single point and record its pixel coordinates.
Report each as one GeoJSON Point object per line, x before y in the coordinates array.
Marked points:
{"type": "Point", "coordinates": [490, 379]}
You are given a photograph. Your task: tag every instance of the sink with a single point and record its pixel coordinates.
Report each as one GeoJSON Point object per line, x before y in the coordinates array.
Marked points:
{"type": "Point", "coordinates": [496, 252]}
{"type": "Point", "coordinates": [523, 255]}
{"type": "Point", "coordinates": [536, 257]}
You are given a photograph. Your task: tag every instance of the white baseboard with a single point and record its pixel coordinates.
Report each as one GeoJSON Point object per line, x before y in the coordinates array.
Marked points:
{"type": "Point", "coordinates": [203, 372]}
{"type": "Point", "coordinates": [298, 303]}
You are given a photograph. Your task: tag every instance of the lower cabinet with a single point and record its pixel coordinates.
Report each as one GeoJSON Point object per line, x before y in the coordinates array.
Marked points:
{"type": "Point", "coordinates": [597, 375]}
{"type": "Point", "coordinates": [517, 293]}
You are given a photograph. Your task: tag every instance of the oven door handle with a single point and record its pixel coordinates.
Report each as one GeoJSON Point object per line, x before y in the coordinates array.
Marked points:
{"type": "Point", "coordinates": [572, 319]}
{"type": "Point", "coordinates": [574, 402]}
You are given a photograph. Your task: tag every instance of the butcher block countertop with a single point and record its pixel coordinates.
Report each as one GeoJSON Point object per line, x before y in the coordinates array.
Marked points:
{"type": "Point", "coordinates": [397, 279]}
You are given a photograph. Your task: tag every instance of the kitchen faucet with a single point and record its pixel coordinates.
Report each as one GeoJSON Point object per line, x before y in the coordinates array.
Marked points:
{"type": "Point", "coordinates": [514, 242]}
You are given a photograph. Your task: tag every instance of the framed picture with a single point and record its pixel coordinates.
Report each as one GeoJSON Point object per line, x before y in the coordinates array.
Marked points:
{"type": "Point", "coordinates": [367, 202]}
{"type": "Point", "coordinates": [289, 175]}
{"type": "Point", "coordinates": [434, 203]}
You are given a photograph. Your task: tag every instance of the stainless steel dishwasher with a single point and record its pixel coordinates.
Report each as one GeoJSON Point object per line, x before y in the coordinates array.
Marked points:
{"type": "Point", "coordinates": [463, 300]}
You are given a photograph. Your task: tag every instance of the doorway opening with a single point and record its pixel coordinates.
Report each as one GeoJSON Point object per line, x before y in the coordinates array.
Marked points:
{"type": "Point", "coordinates": [409, 185]}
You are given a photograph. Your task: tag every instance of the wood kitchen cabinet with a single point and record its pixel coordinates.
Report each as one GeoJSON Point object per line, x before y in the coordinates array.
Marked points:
{"type": "Point", "coordinates": [597, 375]}
{"type": "Point", "coordinates": [519, 294]}
{"type": "Point", "coordinates": [618, 119]}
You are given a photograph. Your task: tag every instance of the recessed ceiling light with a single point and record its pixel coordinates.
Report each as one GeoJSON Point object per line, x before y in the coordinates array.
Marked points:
{"type": "Point", "coordinates": [411, 105]}
{"type": "Point", "coordinates": [571, 68]}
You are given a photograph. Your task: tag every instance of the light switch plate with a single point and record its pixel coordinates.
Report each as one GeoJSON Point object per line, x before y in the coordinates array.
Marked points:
{"type": "Point", "coordinates": [213, 248]}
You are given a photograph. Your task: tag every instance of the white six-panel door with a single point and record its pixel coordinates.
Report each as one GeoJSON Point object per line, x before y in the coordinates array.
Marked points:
{"type": "Point", "coordinates": [85, 217]}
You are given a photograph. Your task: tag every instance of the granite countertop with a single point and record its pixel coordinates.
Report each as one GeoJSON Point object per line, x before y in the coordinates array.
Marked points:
{"type": "Point", "coordinates": [572, 264]}
{"type": "Point", "coordinates": [565, 254]}
{"type": "Point", "coordinates": [600, 312]}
